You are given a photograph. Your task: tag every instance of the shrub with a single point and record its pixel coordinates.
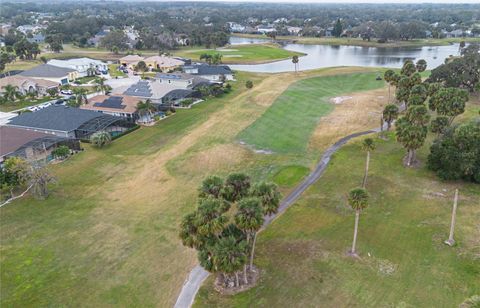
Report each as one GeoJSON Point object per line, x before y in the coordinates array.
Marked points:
{"type": "Point", "coordinates": [100, 139]}
{"type": "Point", "coordinates": [249, 84]}
{"type": "Point", "coordinates": [186, 102]}
{"type": "Point", "coordinates": [456, 154]}
{"type": "Point", "coordinates": [61, 152]}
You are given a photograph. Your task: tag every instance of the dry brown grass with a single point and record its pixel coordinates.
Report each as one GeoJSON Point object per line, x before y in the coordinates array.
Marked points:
{"type": "Point", "coordinates": [359, 113]}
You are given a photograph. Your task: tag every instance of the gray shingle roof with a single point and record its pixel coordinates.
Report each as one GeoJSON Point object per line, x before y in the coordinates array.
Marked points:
{"type": "Point", "coordinates": [47, 70]}
{"type": "Point", "coordinates": [212, 69]}
{"type": "Point", "coordinates": [58, 118]}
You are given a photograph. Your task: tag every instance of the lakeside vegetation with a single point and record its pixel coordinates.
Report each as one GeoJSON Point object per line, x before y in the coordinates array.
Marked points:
{"type": "Point", "coordinates": [360, 42]}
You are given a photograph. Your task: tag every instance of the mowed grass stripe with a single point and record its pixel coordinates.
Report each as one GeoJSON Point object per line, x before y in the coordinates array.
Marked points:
{"type": "Point", "coordinates": [287, 125]}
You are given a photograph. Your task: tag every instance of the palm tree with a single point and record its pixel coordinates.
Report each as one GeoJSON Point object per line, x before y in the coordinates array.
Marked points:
{"type": "Point", "coordinates": [358, 200]}
{"type": "Point", "coordinates": [367, 145]}
{"type": "Point", "coordinates": [211, 186]}
{"type": "Point", "coordinates": [390, 113]}
{"type": "Point", "coordinates": [295, 62]}
{"type": "Point", "coordinates": [101, 86]}
{"type": "Point", "coordinates": [146, 108]}
{"type": "Point", "coordinates": [249, 218]}
{"type": "Point", "coordinates": [236, 187]}
{"type": "Point", "coordinates": [210, 217]}
{"type": "Point", "coordinates": [81, 95]}
{"type": "Point", "coordinates": [229, 256]}
{"type": "Point", "coordinates": [100, 139]}
{"type": "Point", "coordinates": [269, 196]}
{"type": "Point", "coordinates": [10, 92]}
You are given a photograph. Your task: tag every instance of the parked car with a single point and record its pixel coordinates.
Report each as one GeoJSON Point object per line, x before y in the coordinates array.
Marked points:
{"type": "Point", "coordinates": [66, 92]}
{"type": "Point", "coordinates": [33, 108]}
{"type": "Point", "coordinates": [60, 102]}
{"type": "Point", "coordinates": [44, 105]}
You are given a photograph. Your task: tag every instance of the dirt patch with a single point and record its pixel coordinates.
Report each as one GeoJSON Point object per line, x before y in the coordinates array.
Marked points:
{"type": "Point", "coordinates": [221, 282]}
{"type": "Point", "coordinates": [360, 112]}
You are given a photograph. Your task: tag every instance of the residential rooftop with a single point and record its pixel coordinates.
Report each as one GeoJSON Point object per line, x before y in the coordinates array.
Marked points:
{"type": "Point", "coordinates": [47, 71]}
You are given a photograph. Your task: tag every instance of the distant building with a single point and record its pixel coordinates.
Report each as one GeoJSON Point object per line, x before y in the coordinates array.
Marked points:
{"type": "Point", "coordinates": [235, 27]}
{"type": "Point", "coordinates": [329, 32]}
{"type": "Point", "coordinates": [60, 75]}
{"type": "Point", "coordinates": [130, 60]}
{"type": "Point", "coordinates": [37, 38]}
{"type": "Point", "coordinates": [213, 73]}
{"type": "Point", "coordinates": [4, 28]}
{"type": "Point", "coordinates": [163, 63]}
{"type": "Point", "coordinates": [265, 29]}
{"type": "Point", "coordinates": [96, 39]}
{"type": "Point", "coordinates": [294, 30]}
{"type": "Point", "coordinates": [82, 65]}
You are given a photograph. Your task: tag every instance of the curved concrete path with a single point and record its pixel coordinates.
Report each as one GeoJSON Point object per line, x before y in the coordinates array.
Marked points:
{"type": "Point", "coordinates": [198, 274]}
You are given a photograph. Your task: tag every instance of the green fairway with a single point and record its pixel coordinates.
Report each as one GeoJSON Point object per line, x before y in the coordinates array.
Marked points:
{"type": "Point", "coordinates": [290, 175]}
{"type": "Point", "coordinates": [403, 262]}
{"type": "Point", "coordinates": [287, 125]}
{"type": "Point", "coordinates": [252, 53]}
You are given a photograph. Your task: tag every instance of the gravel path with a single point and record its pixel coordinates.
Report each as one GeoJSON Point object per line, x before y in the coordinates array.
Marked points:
{"type": "Point", "coordinates": [198, 274]}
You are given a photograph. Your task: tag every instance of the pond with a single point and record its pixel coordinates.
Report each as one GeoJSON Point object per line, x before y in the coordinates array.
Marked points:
{"type": "Point", "coordinates": [319, 56]}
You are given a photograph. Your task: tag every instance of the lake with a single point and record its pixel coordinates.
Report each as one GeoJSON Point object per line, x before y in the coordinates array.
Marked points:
{"type": "Point", "coordinates": [319, 56]}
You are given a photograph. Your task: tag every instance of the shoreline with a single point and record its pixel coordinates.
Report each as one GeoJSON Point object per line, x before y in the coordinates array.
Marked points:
{"type": "Point", "coordinates": [333, 41]}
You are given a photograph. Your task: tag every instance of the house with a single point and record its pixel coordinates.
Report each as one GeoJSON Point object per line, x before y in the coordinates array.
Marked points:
{"type": "Point", "coordinates": [26, 85]}
{"type": "Point", "coordinates": [265, 29]}
{"type": "Point", "coordinates": [4, 28]}
{"type": "Point", "coordinates": [329, 32]}
{"type": "Point", "coordinates": [163, 63]}
{"type": "Point", "coordinates": [69, 122]}
{"type": "Point", "coordinates": [213, 73]}
{"type": "Point", "coordinates": [294, 30]}
{"type": "Point", "coordinates": [235, 27]}
{"type": "Point", "coordinates": [131, 60]}
{"type": "Point", "coordinates": [60, 75]}
{"type": "Point", "coordinates": [31, 145]}
{"type": "Point", "coordinates": [180, 80]}
{"type": "Point", "coordinates": [96, 39]}
{"type": "Point", "coordinates": [25, 29]}
{"type": "Point", "coordinates": [182, 40]}
{"type": "Point", "coordinates": [84, 66]}
{"type": "Point", "coordinates": [37, 38]}
{"type": "Point", "coordinates": [116, 105]}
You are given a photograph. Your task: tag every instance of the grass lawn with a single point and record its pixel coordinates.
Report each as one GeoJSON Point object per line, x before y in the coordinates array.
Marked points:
{"type": "Point", "coordinates": [252, 53]}
{"type": "Point", "coordinates": [24, 103]}
{"type": "Point", "coordinates": [114, 72]}
{"type": "Point", "coordinates": [361, 42]}
{"type": "Point", "coordinates": [108, 234]}
{"type": "Point", "coordinates": [403, 262]}
{"type": "Point", "coordinates": [288, 124]}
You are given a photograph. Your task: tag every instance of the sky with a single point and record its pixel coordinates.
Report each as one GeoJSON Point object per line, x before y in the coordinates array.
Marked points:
{"type": "Point", "coordinates": [343, 1]}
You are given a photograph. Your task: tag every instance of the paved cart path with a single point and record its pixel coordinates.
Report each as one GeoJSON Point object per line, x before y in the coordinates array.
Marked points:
{"type": "Point", "coordinates": [198, 274]}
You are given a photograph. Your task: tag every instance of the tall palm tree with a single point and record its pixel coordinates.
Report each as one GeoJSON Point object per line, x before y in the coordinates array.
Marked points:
{"type": "Point", "coordinates": [210, 217]}
{"type": "Point", "coordinates": [229, 256]}
{"type": "Point", "coordinates": [390, 113]}
{"type": "Point", "coordinates": [358, 200]}
{"type": "Point", "coordinates": [367, 145]}
{"type": "Point", "coordinates": [100, 85]}
{"type": "Point", "coordinates": [100, 139]}
{"type": "Point", "coordinates": [269, 196]}
{"type": "Point", "coordinates": [295, 62]}
{"type": "Point", "coordinates": [211, 186]}
{"type": "Point", "coordinates": [146, 108]}
{"type": "Point", "coordinates": [249, 218]}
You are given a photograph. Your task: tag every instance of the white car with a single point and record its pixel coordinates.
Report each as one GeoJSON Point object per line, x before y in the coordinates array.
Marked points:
{"type": "Point", "coordinates": [66, 92]}
{"type": "Point", "coordinates": [44, 105]}
{"type": "Point", "coordinates": [33, 108]}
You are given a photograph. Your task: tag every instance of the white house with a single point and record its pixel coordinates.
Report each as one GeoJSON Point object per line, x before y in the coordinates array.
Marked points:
{"type": "Point", "coordinates": [235, 27]}
{"type": "Point", "coordinates": [265, 29]}
{"type": "Point", "coordinates": [81, 65]}
{"type": "Point", "coordinates": [294, 30]}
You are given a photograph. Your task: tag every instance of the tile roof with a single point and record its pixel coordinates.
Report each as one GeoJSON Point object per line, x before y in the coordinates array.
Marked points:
{"type": "Point", "coordinates": [18, 81]}
{"type": "Point", "coordinates": [211, 69]}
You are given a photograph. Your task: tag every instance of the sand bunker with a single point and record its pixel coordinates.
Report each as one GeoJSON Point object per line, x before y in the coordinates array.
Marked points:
{"type": "Point", "coordinates": [232, 56]}
{"type": "Point", "coordinates": [226, 49]}
{"type": "Point", "coordinates": [340, 99]}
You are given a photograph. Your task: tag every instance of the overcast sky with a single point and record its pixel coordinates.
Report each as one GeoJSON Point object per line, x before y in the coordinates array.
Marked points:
{"type": "Point", "coordinates": [344, 1]}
